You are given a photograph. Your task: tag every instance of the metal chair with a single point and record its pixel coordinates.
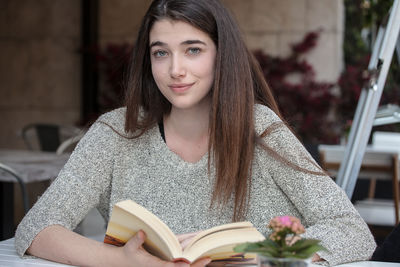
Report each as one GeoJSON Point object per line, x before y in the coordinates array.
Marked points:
{"type": "Point", "coordinates": [46, 136]}
{"type": "Point", "coordinates": [69, 144]}
{"type": "Point", "coordinates": [25, 198]}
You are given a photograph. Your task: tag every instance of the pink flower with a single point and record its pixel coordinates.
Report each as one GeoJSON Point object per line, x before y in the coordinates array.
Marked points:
{"type": "Point", "coordinates": [285, 220]}
{"type": "Point", "coordinates": [284, 242]}
{"type": "Point", "coordinates": [283, 226]}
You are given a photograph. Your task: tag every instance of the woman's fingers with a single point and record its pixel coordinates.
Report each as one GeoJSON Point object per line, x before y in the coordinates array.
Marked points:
{"type": "Point", "coordinates": [138, 256]}
{"type": "Point", "coordinates": [137, 240]}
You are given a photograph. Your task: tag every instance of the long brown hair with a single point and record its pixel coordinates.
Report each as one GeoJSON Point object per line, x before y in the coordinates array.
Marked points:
{"type": "Point", "coordinates": [239, 84]}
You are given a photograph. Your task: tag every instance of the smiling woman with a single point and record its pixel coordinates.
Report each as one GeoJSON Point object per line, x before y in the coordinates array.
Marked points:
{"type": "Point", "coordinates": [182, 64]}
{"type": "Point", "coordinates": [200, 143]}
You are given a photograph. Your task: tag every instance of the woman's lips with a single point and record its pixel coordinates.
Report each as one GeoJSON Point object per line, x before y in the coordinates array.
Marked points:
{"type": "Point", "coordinates": [179, 88]}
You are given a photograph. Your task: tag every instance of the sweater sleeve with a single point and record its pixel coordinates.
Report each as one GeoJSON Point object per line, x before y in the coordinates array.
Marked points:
{"type": "Point", "coordinates": [81, 185]}
{"type": "Point", "coordinates": [328, 214]}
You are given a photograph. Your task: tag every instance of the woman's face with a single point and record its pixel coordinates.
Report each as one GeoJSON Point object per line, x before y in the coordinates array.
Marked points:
{"type": "Point", "coordinates": [182, 63]}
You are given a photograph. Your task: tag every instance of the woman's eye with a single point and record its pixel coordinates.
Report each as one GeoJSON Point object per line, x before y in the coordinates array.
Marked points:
{"type": "Point", "coordinates": [194, 50]}
{"type": "Point", "coordinates": [159, 53]}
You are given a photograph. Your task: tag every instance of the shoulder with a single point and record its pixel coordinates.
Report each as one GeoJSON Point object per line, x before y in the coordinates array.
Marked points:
{"type": "Point", "coordinates": [116, 115]}
{"type": "Point", "coordinates": [114, 119]}
{"type": "Point", "coordinates": [264, 117]}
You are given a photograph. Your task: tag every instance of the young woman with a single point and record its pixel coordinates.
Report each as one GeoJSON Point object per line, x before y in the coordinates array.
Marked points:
{"type": "Point", "coordinates": [200, 143]}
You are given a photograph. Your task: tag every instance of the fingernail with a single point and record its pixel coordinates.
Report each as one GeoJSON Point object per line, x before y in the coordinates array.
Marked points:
{"type": "Point", "coordinates": [141, 235]}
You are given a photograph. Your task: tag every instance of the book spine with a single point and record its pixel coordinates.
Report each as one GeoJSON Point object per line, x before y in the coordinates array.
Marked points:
{"type": "Point", "coordinates": [113, 241]}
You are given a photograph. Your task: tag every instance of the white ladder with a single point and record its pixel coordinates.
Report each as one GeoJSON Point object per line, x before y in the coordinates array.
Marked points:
{"type": "Point", "coordinates": [384, 46]}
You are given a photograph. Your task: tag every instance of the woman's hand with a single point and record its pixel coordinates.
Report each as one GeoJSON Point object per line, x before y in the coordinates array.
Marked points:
{"type": "Point", "coordinates": [136, 255]}
{"type": "Point", "coordinates": [316, 258]}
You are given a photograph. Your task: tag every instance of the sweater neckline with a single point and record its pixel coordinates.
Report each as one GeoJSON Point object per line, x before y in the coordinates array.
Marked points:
{"type": "Point", "coordinates": [168, 155]}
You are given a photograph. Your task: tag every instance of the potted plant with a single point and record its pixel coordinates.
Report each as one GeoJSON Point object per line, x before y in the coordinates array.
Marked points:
{"type": "Point", "coordinates": [284, 247]}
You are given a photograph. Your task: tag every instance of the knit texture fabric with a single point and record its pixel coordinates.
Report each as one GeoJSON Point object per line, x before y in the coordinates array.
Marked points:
{"type": "Point", "coordinates": [106, 167]}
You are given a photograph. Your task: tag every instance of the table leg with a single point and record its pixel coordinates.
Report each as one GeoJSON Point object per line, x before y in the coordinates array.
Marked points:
{"type": "Point", "coordinates": [6, 210]}
{"type": "Point", "coordinates": [396, 193]}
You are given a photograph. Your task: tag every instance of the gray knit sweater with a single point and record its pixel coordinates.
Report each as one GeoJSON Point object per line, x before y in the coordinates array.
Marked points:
{"type": "Point", "coordinates": [106, 168]}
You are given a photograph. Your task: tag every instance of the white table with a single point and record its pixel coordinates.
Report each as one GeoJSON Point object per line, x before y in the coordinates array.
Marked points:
{"type": "Point", "coordinates": [31, 166]}
{"type": "Point", "coordinates": [9, 258]}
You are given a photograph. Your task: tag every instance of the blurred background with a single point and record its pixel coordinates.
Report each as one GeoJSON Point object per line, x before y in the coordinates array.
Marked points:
{"type": "Point", "coordinates": [63, 62]}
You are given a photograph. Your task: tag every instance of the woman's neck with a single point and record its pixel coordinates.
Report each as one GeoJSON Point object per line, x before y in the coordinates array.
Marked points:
{"type": "Point", "coordinates": [187, 132]}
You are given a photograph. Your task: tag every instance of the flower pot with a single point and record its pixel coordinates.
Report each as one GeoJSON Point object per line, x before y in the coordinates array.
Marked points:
{"type": "Point", "coordinates": [263, 261]}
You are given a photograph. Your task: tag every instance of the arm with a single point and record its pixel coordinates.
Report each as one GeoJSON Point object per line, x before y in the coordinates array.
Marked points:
{"type": "Point", "coordinates": [82, 184]}
{"type": "Point", "coordinates": [59, 244]}
{"type": "Point", "coordinates": [326, 211]}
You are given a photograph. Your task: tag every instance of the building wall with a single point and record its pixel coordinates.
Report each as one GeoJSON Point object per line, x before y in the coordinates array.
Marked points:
{"type": "Point", "coordinates": [273, 25]}
{"type": "Point", "coordinates": [119, 21]}
{"type": "Point", "coordinates": [39, 65]}
{"type": "Point", "coordinates": [40, 41]}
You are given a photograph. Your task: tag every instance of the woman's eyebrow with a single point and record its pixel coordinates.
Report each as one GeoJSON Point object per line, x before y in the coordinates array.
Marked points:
{"type": "Point", "coordinates": [187, 42]}
{"type": "Point", "coordinates": [157, 43]}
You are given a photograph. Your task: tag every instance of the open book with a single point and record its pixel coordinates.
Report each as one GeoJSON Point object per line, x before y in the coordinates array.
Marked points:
{"type": "Point", "coordinates": [217, 243]}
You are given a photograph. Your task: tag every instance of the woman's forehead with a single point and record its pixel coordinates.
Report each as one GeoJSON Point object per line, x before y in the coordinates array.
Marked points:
{"type": "Point", "coordinates": [175, 31]}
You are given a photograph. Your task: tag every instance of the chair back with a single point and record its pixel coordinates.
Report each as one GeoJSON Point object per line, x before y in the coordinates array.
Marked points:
{"type": "Point", "coordinates": [46, 136]}
{"type": "Point", "coordinates": [69, 144]}
{"type": "Point", "coordinates": [375, 163]}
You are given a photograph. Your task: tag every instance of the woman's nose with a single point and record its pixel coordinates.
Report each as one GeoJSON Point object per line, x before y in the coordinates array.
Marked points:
{"type": "Point", "coordinates": [177, 68]}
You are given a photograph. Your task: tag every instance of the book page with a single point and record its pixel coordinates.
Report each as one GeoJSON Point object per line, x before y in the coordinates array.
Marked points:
{"type": "Point", "coordinates": [223, 227]}
{"type": "Point", "coordinates": [219, 245]}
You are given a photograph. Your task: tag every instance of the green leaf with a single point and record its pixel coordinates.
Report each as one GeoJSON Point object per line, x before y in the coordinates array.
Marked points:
{"type": "Point", "coordinates": [308, 252]}
{"type": "Point", "coordinates": [288, 254]}
{"type": "Point", "coordinates": [268, 248]}
{"type": "Point", "coordinates": [302, 249]}
{"type": "Point", "coordinates": [303, 243]}
{"type": "Point", "coordinates": [240, 248]}
{"type": "Point", "coordinates": [251, 246]}
{"type": "Point", "coordinates": [268, 243]}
